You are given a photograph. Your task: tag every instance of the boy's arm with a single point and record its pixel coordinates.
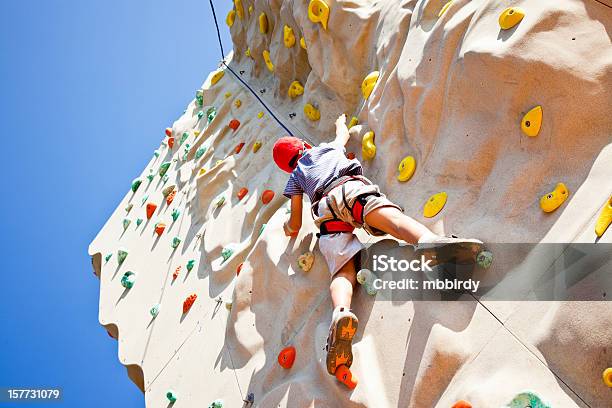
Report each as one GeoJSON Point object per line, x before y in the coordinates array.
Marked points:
{"type": "Point", "coordinates": [292, 227]}
{"type": "Point", "coordinates": [342, 132]}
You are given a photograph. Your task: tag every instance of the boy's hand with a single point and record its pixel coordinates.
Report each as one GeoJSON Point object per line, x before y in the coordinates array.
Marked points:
{"type": "Point", "coordinates": [288, 231]}
{"type": "Point", "coordinates": [342, 133]}
{"type": "Point", "coordinates": [341, 120]}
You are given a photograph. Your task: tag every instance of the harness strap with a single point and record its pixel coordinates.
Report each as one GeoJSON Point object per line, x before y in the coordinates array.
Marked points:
{"type": "Point", "coordinates": [334, 226]}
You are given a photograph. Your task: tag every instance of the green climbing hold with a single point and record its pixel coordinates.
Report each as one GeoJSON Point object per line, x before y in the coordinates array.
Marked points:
{"type": "Point", "coordinates": [155, 310]}
{"type": "Point", "coordinates": [262, 229]}
{"type": "Point", "coordinates": [156, 153]}
{"type": "Point", "coordinates": [226, 253]}
{"type": "Point", "coordinates": [126, 223]}
{"type": "Point", "coordinates": [129, 207]}
{"type": "Point", "coordinates": [200, 115]}
{"type": "Point", "coordinates": [175, 214]}
{"type": "Point", "coordinates": [121, 255]}
{"type": "Point", "coordinates": [164, 168]}
{"type": "Point", "coordinates": [144, 199]}
{"type": "Point", "coordinates": [527, 399]}
{"type": "Point", "coordinates": [165, 178]}
{"type": "Point", "coordinates": [200, 97]}
{"type": "Point", "coordinates": [220, 202]}
{"type": "Point", "coordinates": [183, 138]}
{"type": "Point", "coordinates": [175, 242]}
{"type": "Point", "coordinates": [128, 279]}
{"type": "Point", "coordinates": [150, 176]}
{"type": "Point", "coordinates": [135, 184]}
{"type": "Point", "coordinates": [484, 259]}
{"type": "Point", "coordinates": [171, 395]}
{"type": "Point", "coordinates": [211, 113]}
{"type": "Point", "coordinates": [200, 152]}
{"type": "Point", "coordinates": [218, 403]}
{"type": "Point", "coordinates": [107, 257]}
{"type": "Point", "coordinates": [190, 264]}
{"type": "Point", "coordinates": [138, 222]}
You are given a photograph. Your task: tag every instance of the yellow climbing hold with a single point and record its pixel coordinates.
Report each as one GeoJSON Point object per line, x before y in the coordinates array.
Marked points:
{"type": "Point", "coordinates": [553, 200]}
{"type": "Point", "coordinates": [239, 8]}
{"type": "Point", "coordinates": [354, 121]}
{"type": "Point", "coordinates": [368, 148]}
{"type": "Point", "coordinates": [435, 204]}
{"type": "Point", "coordinates": [607, 376]}
{"type": "Point", "coordinates": [217, 77]}
{"type": "Point", "coordinates": [288, 37]}
{"type": "Point", "coordinates": [303, 43]}
{"type": "Point", "coordinates": [266, 57]}
{"type": "Point", "coordinates": [231, 17]}
{"type": "Point", "coordinates": [227, 95]}
{"type": "Point", "coordinates": [318, 12]}
{"type": "Point", "coordinates": [248, 52]}
{"type": "Point", "coordinates": [256, 146]}
{"type": "Point", "coordinates": [311, 112]}
{"type": "Point", "coordinates": [237, 103]}
{"type": "Point", "coordinates": [368, 84]}
{"type": "Point", "coordinates": [406, 168]}
{"type": "Point", "coordinates": [202, 171]}
{"type": "Point", "coordinates": [196, 133]}
{"type": "Point", "coordinates": [263, 23]}
{"type": "Point", "coordinates": [603, 222]}
{"type": "Point", "coordinates": [511, 17]}
{"type": "Point", "coordinates": [443, 10]}
{"type": "Point", "coordinates": [532, 121]}
{"type": "Point", "coordinates": [251, 10]}
{"type": "Point", "coordinates": [295, 89]}
{"type": "Point", "coordinates": [260, 115]}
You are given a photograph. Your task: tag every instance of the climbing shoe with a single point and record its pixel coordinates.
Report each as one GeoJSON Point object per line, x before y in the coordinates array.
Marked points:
{"type": "Point", "coordinates": [341, 332]}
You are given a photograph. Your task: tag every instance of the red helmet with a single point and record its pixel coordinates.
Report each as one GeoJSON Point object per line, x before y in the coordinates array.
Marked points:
{"type": "Point", "coordinates": [287, 151]}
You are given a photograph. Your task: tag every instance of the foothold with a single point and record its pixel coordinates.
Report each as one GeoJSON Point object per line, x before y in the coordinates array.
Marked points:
{"type": "Point", "coordinates": [444, 8]}
{"type": "Point", "coordinates": [228, 306]}
{"type": "Point", "coordinates": [267, 196]}
{"type": "Point", "coordinates": [527, 399]}
{"type": "Point", "coordinates": [237, 103]}
{"type": "Point", "coordinates": [260, 115]}
{"type": "Point", "coordinates": [305, 261]}
{"type": "Point", "coordinates": [144, 199]}
{"type": "Point", "coordinates": [227, 95]}
{"type": "Point", "coordinates": [135, 184]}
{"type": "Point", "coordinates": [462, 404]}
{"type": "Point", "coordinates": [128, 279]}
{"type": "Point", "coordinates": [176, 273]}
{"type": "Point", "coordinates": [239, 147]}
{"type": "Point", "coordinates": [165, 178]}
{"type": "Point", "coordinates": [156, 152]}
{"type": "Point", "coordinates": [250, 398]}
{"type": "Point", "coordinates": [126, 223]}
{"type": "Point", "coordinates": [200, 97]}
{"type": "Point", "coordinates": [295, 89]}
{"type": "Point", "coordinates": [220, 202]}
{"type": "Point", "coordinates": [607, 376]}
{"type": "Point", "coordinates": [263, 23]}
{"type": "Point", "coordinates": [243, 192]}
{"type": "Point", "coordinates": [200, 114]}
{"type": "Point", "coordinates": [189, 302]}
{"type": "Point", "coordinates": [211, 113]}
{"type": "Point", "coordinates": [318, 12]}
{"type": "Point", "coordinates": [159, 228]}
{"type": "Point", "coordinates": [154, 311]}
{"type": "Point", "coordinates": [170, 197]}
{"type": "Point", "coordinates": [175, 214]}
{"type": "Point", "coordinates": [185, 135]}
{"type": "Point", "coordinates": [108, 257]}
{"type": "Point", "coordinates": [303, 43]}
{"type": "Point", "coordinates": [200, 152]}
{"type": "Point", "coordinates": [267, 60]}
{"type": "Point", "coordinates": [234, 124]}
{"type": "Point", "coordinates": [231, 17]}
{"type": "Point", "coordinates": [256, 146]}
{"type": "Point", "coordinates": [368, 148]}
{"type": "Point", "coordinates": [346, 377]}
{"type": "Point", "coordinates": [171, 395]}
{"type": "Point", "coordinates": [226, 253]}
{"type": "Point", "coordinates": [218, 403]}
{"type": "Point", "coordinates": [164, 168]}
{"type": "Point", "coordinates": [166, 191]}
{"type": "Point", "coordinates": [288, 37]}
{"type": "Point", "coordinates": [151, 210]}
{"type": "Point", "coordinates": [511, 17]}
{"type": "Point", "coordinates": [263, 227]}
{"type": "Point", "coordinates": [311, 112]}
{"type": "Point", "coordinates": [248, 52]}
{"type": "Point", "coordinates": [434, 204]}
{"type": "Point", "coordinates": [190, 264]}
{"type": "Point", "coordinates": [532, 121]}
{"type": "Point", "coordinates": [202, 171]}
{"type": "Point", "coordinates": [406, 168]}
{"type": "Point", "coordinates": [217, 77]}
{"type": "Point", "coordinates": [138, 222]}
{"type": "Point", "coordinates": [354, 121]}
{"type": "Point", "coordinates": [553, 200]}
{"type": "Point", "coordinates": [169, 132]}
{"type": "Point", "coordinates": [286, 357]}
{"type": "Point", "coordinates": [150, 177]}
{"type": "Point", "coordinates": [171, 142]}
{"type": "Point", "coordinates": [175, 242]}
{"type": "Point", "coordinates": [366, 278]}
{"type": "Point", "coordinates": [196, 133]}
{"type": "Point", "coordinates": [368, 84]}
{"type": "Point", "coordinates": [129, 207]}
{"type": "Point", "coordinates": [121, 255]}
{"type": "Point", "coordinates": [605, 219]}
{"type": "Point", "coordinates": [484, 259]}
{"type": "Point", "coordinates": [350, 155]}
{"type": "Point", "coordinates": [251, 9]}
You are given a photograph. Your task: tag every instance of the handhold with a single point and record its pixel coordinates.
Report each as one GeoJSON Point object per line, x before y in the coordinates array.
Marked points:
{"type": "Point", "coordinates": [144, 199]}
{"type": "Point", "coordinates": [196, 133]}
{"type": "Point", "coordinates": [251, 9]}
{"type": "Point", "coordinates": [350, 155]}
{"type": "Point", "coordinates": [121, 255]}
{"type": "Point", "coordinates": [511, 17]}
{"type": "Point", "coordinates": [164, 168]}
{"type": "Point", "coordinates": [175, 214]}
{"type": "Point", "coordinates": [406, 168]}
{"type": "Point", "coordinates": [237, 103]}
{"type": "Point", "coordinates": [553, 200]}
{"type": "Point", "coordinates": [256, 146]}
{"type": "Point", "coordinates": [211, 113]}
{"type": "Point", "coordinates": [311, 112]}
{"type": "Point", "coordinates": [295, 89]}
{"type": "Point", "coordinates": [202, 171]}
{"type": "Point", "coordinates": [354, 121]}
{"type": "Point", "coordinates": [135, 184]}
{"type": "Point", "coordinates": [267, 196]}
{"type": "Point", "coordinates": [171, 142]}
{"type": "Point", "coordinates": [165, 178]}
{"type": "Point", "coordinates": [263, 23]}
{"type": "Point", "coordinates": [184, 137]}
{"type": "Point", "coordinates": [260, 115]}
{"type": "Point", "coordinates": [126, 223]}
{"type": "Point", "coordinates": [156, 152]}
{"type": "Point", "coordinates": [318, 12]}
{"type": "Point", "coordinates": [150, 177]}
{"type": "Point", "coordinates": [200, 97]}
{"type": "Point", "coordinates": [150, 210]}
{"type": "Point", "coordinates": [248, 52]}
{"type": "Point", "coordinates": [484, 259]}
{"type": "Point", "coordinates": [218, 403]}
{"type": "Point", "coordinates": [189, 302]}
{"type": "Point", "coordinates": [286, 357]}
{"type": "Point", "coordinates": [227, 95]}
{"type": "Point", "coordinates": [138, 222]}
{"type": "Point", "coordinates": [200, 152]}
{"type": "Point", "coordinates": [166, 191]}
{"type": "Point", "coordinates": [228, 305]}
{"type": "Point", "coordinates": [176, 273]}
{"type": "Point", "coordinates": [462, 404]}
{"type": "Point", "coordinates": [263, 227]}
{"type": "Point", "coordinates": [288, 37]}
{"type": "Point", "coordinates": [243, 191]}
{"type": "Point", "coordinates": [231, 17]}
{"type": "Point", "coordinates": [220, 202]}
{"type": "Point", "coordinates": [267, 60]}
{"type": "Point", "coordinates": [129, 207]}
{"type": "Point", "coordinates": [239, 147]}
{"type": "Point", "coordinates": [155, 310]}
{"type": "Point", "coordinates": [233, 124]}
{"type": "Point", "coordinates": [171, 395]}
{"type": "Point", "coordinates": [305, 261]}
{"type": "Point", "coordinates": [368, 84]}
{"type": "Point", "coordinates": [175, 242]}
{"type": "Point", "coordinates": [239, 8]}
{"type": "Point", "coordinates": [344, 375]}
{"type": "Point", "coordinates": [604, 219]}
{"type": "Point", "coordinates": [434, 204]}
{"type": "Point", "coordinates": [607, 376]}
{"type": "Point", "coordinates": [159, 228]}
{"type": "Point", "coordinates": [170, 197]}
{"type": "Point", "coordinates": [527, 399]}
{"type": "Point", "coordinates": [532, 121]}
{"type": "Point", "coordinates": [444, 8]}
{"type": "Point", "coordinates": [217, 77]}
{"type": "Point", "coordinates": [368, 148]}
{"type": "Point", "coordinates": [107, 257]}
{"type": "Point", "coordinates": [128, 279]}
{"type": "Point", "coordinates": [169, 132]}
{"type": "Point", "coordinates": [366, 278]}
{"type": "Point", "coordinates": [303, 43]}
{"type": "Point", "coordinates": [200, 114]}
{"type": "Point", "coordinates": [226, 253]}
{"type": "Point", "coordinates": [190, 264]}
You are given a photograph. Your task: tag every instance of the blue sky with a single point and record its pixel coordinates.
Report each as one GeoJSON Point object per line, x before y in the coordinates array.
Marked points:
{"type": "Point", "coordinates": [88, 88]}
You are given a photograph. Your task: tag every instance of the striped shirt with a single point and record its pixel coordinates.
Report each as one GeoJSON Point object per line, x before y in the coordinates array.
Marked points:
{"type": "Point", "coordinates": [317, 168]}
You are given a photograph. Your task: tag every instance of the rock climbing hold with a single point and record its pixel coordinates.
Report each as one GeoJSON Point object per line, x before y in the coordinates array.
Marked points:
{"type": "Point", "coordinates": [169, 132]}
{"type": "Point", "coordinates": [303, 43]}
{"type": "Point", "coordinates": [171, 142]}
{"type": "Point", "coordinates": [171, 395]}
{"type": "Point", "coordinates": [226, 253]}
{"type": "Point", "coordinates": [248, 52]}
{"type": "Point", "coordinates": [176, 273]}
{"type": "Point", "coordinates": [211, 113]}
{"type": "Point", "coordinates": [138, 222]}
{"type": "Point", "coordinates": [406, 168]}
{"type": "Point", "coordinates": [228, 306]}
{"type": "Point", "coordinates": [164, 168]}
{"type": "Point", "coordinates": [129, 207]}
{"type": "Point", "coordinates": [150, 177]}
{"type": "Point", "coordinates": [260, 115]}
{"type": "Point", "coordinates": [170, 197]}
{"type": "Point", "coordinates": [263, 23]}
{"type": "Point", "coordinates": [107, 257]}
{"type": "Point", "coordinates": [121, 255]}
{"type": "Point", "coordinates": [286, 357]}
{"type": "Point", "coordinates": [128, 279]}
{"type": "Point", "coordinates": [368, 148]}
{"type": "Point", "coordinates": [366, 278]}
{"type": "Point", "coordinates": [144, 199]}
{"type": "Point", "coordinates": [553, 200]}
{"type": "Point", "coordinates": [511, 17]}
{"type": "Point", "coordinates": [126, 223]}
{"type": "Point", "coordinates": [217, 77]}
{"type": "Point", "coordinates": [607, 376]}
{"type": "Point", "coordinates": [462, 404]}
{"type": "Point", "coordinates": [354, 121]}
{"type": "Point", "coordinates": [346, 377]}
{"type": "Point", "coordinates": [239, 147]}
{"type": "Point", "coordinates": [175, 242]}
{"type": "Point", "coordinates": [150, 210]}
{"type": "Point", "coordinates": [227, 95]}
{"type": "Point", "coordinates": [156, 153]}
{"type": "Point", "coordinates": [135, 184]}
{"type": "Point", "coordinates": [263, 227]}
{"type": "Point", "coordinates": [251, 9]}
{"type": "Point", "coordinates": [200, 97]}
{"type": "Point", "coordinates": [200, 152]}
{"type": "Point", "coordinates": [267, 196]}
{"type": "Point", "coordinates": [267, 60]}
{"type": "Point", "coordinates": [218, 403]}
{"type": "Point", "coordinates": [527, 399]}
{"type": "Point", "coordinates": [220, 202]}
{"type": "Point", "coordinates": [305, 261]}
{"type": "Point", "coordinates": [233, 124]}
{"type": "Point", "coordinates": [444, 8]}
{"type": "Point", "coordinates": [350, 155]}
{"type": "Point", "coordinates": [184, 136]}
{"type": "Point", "coordinates": [175, 214]}
{"type": "Point", "coordinates": [190, 264]}
{"type": "Point", "coordinates": [159, 228]}
{"type": "Point", "coordinates": [434, 204]}
{"type": "Point", "coordinates": [242, 192]}
{"type": "Point", "coordinates": [237, 103]}
{"type": "Point", "coordinates": [295, 89]}
{"type": "Point", "coordinates": [189, 302]}
{"type": "Point", "coordinates": [165, 178]}
{"type": "Point", "coordinates": [288, 37]}
{"type": "Point", "coordinates": [196, 133]}
{"type": "Point", "coordinates": [231, 17]}
{"type": "Point", "coordinates": [154, 311]}
{"type": "Point", "coordinates": [311, 112]}
{"type": "Point", "coordinates": [256, 146]}
{"type": "Point", "coordinates": [604, 219]}
{"type": "Point", "coordinates": [202, 171]}
{"type": "Point", "coordinates": [318, 12]}
{"type": "Point", "coordinates": [484, 259]}
{"type": "Point", "coordinates": [167, 190]}
{"type": "Point", "coordinates": [368, 84]}
{"type": "Point", "coordinates": [200, 114]}
{"type": "Point", "coordinates": [532, 121]}
{"type": "Point", "coordinates": [239, 8]}
{"type": "Point", "coordinates": [239, 268]}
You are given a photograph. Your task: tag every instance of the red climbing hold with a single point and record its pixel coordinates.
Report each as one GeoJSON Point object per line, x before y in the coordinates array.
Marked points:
{"type": "Point", "coordinates": [344, 375]}
{"type": "Point", "coordinates": [176, 273]}
{"type": "Point", "coordinates": [234, 123]}
{"type": "Point", "coordinates": [170, 197]}
{"type": "Point", "coordinates": [243, 191]}
{"type": "Point", "coordinates": [350, 155]}
{"type": "Point", "coordinates": [462, 404]}
{"type": "Point", "coordinates": [189, 302]}
{"type": "Point", "coordinates": [286, 357]}
{"type": "Point", "coordinates": [171, 142]}
{"type": "Point", "coordinates": [238, 269]}
{"type": "Point", "coordinates": [159, 228]}
{"type": "Point", "coordinates": [267, 196]}
{"type": "Point", "coordinates": [169, 132]}
{"type": "Point", "coordinates": [150, 210]}
{"type": "Point", "coordinates": [238, 148]}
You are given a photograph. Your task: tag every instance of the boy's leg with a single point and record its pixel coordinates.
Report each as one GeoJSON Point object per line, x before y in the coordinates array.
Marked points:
{"type": "Point", "coordinates": [392, 221]}
{"type": "Point", "coordinates": [342, 285]}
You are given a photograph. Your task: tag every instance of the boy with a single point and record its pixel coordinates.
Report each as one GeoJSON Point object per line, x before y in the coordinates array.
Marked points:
{"type": "Point", "coordinates": [342, 199]}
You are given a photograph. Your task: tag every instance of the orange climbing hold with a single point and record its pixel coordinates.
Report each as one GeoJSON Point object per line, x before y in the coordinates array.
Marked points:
{"type": "Point", "coordinates": [234, 123]}
{"type": "Point", "coordinates": [462, 404]}
{"type": "Point", "coordinates": [171, 142]}
{"type": "Point", "coordinates": [267, 196]}
{"type": "Point", "coordinates": [238, 269]}
{"type": "Point", "coordinates": [159, 228]}
{"type": "Point", "coordinates": [243, 191]}
{"type": "Point", "coordinates": [189, 302]}
{"type": "Point", "coordinates": [344, 375]}
{"type": "Point", "coordinates": [150, 210]}
{"type": "Point", "coordinates": [169, 132]}
{"type": "Point", "coordinates": [170, 197]}
{"type": "Point", "coordinates": [239, 148]}
{"type": "Point", "coordinates": [286, 357]}
{"type": "Point", "coordinates": [176, 272]}
{"type": "Point", "coordinates": [350, 155]}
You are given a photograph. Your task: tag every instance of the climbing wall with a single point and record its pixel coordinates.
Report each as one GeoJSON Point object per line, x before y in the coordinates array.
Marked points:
{"type": "Point", "coordinates": [477, 119]}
